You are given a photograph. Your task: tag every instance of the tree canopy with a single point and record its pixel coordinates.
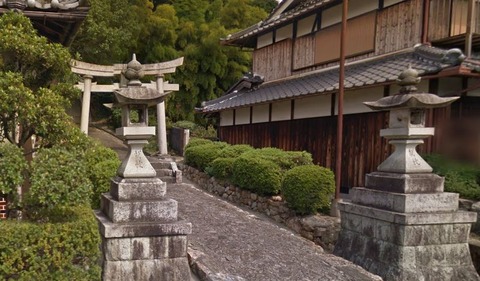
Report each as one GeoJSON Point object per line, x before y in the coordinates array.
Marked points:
{"type": "Point", "coordinates": [35, 84]}
{"type": "Point", "coordinates": [162, 30]}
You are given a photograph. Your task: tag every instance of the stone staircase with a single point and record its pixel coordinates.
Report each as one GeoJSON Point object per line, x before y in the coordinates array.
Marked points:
{"type": "Point", "coordinates": [166, 169]}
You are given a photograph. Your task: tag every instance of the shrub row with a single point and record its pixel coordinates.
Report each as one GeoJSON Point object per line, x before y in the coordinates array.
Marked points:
{"type": "Point", "coordinates": [459, 177]}
{"type": "Point", "coordinates": [72, 173]}
{"type": "Point", "coordinates": [66, 248]}
{"type": "Point", "coordinates": [267, 171]}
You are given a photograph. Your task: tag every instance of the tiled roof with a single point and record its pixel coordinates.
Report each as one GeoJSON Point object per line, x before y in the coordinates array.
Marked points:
{"type": "Point", "coordinates": [303, 7]}
{"type": "Point", "coordinates": [426, 60]}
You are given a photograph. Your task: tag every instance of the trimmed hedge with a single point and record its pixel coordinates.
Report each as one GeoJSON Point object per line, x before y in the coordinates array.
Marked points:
{"type": "Point", "coordinates": [459, 178]}
{"type": "Point", "coordinates": [221, 168]}
{"type": "Point", "coordinates": [66, 248]}
{"type": "Point", "coordinates": [233, 151]}
{"type": "Point", "coordinates": [201, 156]}
{"type": "Point", "coordinates": [102, 164]}
{"type": "Point", "coordinates": [256, 174]}
{"type": "Point", "coordinates": [58, 178]}
{"type": "Point", "coordinates": [308, 188]}
{"type": "Point", "coordinates": [285, 159]}
{"type": "Point", "coordinates": [196, 142]}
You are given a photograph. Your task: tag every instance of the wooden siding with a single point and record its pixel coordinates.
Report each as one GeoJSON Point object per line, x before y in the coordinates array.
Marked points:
{"type": "Point", "coordinates": [399, 27]}
{"type": "Point", "coordinates": [363, 148]}
{"type": "Point", "coordinates": [303, 52]}
{"type": "Point", "coordinates": [274, 61]}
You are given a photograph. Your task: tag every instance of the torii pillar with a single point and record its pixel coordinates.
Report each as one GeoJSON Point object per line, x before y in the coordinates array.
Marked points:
{"type": "Point", "coordinates": [90, 71]}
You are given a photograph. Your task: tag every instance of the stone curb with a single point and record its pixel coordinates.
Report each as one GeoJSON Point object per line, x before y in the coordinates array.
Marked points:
{"type": "Point", "coordinates": [203, 272]}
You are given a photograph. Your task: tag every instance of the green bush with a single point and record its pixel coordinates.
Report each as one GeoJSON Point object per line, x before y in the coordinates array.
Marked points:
{"type": "Point", "coordinates": [66, 248]}
{"type": "Point", "coordinates": [102, 164]}
{"type": "Point", "coordinates": [196, 142]}
{"type": "Point", "coordinates": [285, 159]}
{"type": "Point", "coordinates": [184, 124]}
{"type": "Point", "coordinates": [202, 155]}
{"type": "Point", "coordinates": [256, 174]}
{"type": "Point", "coordinates": [308, 188]}
{"type": "Point", "coordinates": [233, 151]}
{"type": "Point", "coordinates": [459, 177]}
{"type": "Point", "coordinates": [221, 168]}
{"type": "Point", "coordinates": [58, 178]}
{"type": "Point", "coordinates": [12, 167]}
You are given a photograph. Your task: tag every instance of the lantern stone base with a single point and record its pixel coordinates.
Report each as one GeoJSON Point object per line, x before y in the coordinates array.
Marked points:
{"type": "Point", "coordinates": [398, 236]}
{"type": "Point", "coordinates": [142, 238]}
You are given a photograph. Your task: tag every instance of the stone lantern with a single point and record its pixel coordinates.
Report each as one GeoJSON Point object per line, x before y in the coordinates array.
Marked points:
{"type": "Point", "coordinates": [135, 98]}
{"type": "Point", "coordinates": [142, 238]}
{"type": "Point", "coordinates": [401, 225]}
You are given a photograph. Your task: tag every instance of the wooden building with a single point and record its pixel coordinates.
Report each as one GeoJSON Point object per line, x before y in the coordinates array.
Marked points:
{"type": "Point", "coordinates": [290, 101]}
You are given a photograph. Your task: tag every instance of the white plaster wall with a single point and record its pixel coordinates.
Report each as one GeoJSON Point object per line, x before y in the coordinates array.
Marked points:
{"type": "Point", "coordinates": [242, 116]}
{"type": "Point", "coordinates": [284, 33]}
{"type": "Point", "coordinates": [304, 26]}
{"type": "Point", "coordinates": [449, 86]}
{"type": "Point", "coordinates": [472, 82]}
{"type": "Point", "coordinates": [264, 40]}
{"type": "Point", "coordinates": [260, 113]}
{"type": "Point", "coordinates": [355, 8]}
{"type": "Point", "coordinates": [387, 3]}
{"type": "Point", "coordinates": [317, 106]}
{"type": "Point", "coordinates": [281, 110]}
{"type": "Point", "coordinates": [353, 100]}
{"type": "Point", "coordinates": [226, 118]}
{"type": "Point", "coordinates": [422, 87]}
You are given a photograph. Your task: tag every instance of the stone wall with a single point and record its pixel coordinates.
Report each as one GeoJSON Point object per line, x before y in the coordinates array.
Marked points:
{"type": "Point", "coordinates": [323, 230]}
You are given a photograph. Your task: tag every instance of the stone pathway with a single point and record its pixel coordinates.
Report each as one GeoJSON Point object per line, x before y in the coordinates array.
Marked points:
{"type": "Point", "coordinates": [231, 243]}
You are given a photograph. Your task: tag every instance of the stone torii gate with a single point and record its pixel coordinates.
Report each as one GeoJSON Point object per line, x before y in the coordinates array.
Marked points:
{"type": "Point", "coordinates": [88, 71]}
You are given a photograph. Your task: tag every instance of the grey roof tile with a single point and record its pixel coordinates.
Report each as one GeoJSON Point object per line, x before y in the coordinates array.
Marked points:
{"type": "Point", "coordinates": [425, 59]}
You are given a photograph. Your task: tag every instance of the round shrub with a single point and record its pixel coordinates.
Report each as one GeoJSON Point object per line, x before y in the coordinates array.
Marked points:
{"type": "Point", "coordinates": [285, 159]}
{"type": "Point", "coordinates": [308, 188]}
{"type": "Point", "coordinates": [233, 151]}
{"type": "Point", "coordinates": [65, 248]}
{"type": "Point", "coordinates": [12, 167]}
{"type": "Point", "coordinates": [102, 164]}
{"type": "Point", "coordinates": [58, 178]}
{"type": "Point", "coordinates": [196, 142]}
{"type": "Point", "coordinates": [221, 168]}
{"type": "Point", "coordinates": [258, 175]}
{"type": "Point", "coordinates": [202, 155]}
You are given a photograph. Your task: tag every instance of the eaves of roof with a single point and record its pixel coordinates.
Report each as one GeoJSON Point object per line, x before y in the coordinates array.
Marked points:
{"type": "Point", "coordinates": [365, 73]}
{"type": "Point", "coordinates": [305, 7]}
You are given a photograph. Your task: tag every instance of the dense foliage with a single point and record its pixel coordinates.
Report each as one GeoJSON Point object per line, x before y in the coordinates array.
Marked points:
{"type": "Point", "coordinates": [65, 248]}
{"type": "Point", "coordinates": [460, 178]}
{"type": "Point", "coordinates": [202, 155]}
{"type": "Point", "coordinates": [166, 29]}
{"type": "Point", "coordinates": [12, 167]}
{"type": "Point", "coordinates": [257, 175]}
{"type": "Point", "coordinates": [308, 188]}
{"type": "Point", "coordinates": [221, 168]}
{"type": "Point", "coordinates": [58, 178]}
{"type": "Point", "coordinates": [285, 159]}
{"type": "Point", "coordinates": [35, 84]}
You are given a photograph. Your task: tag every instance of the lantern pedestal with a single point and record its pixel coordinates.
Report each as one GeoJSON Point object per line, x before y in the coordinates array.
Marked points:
{"type": "Point", "coordinates": [402, 226]}
{"type": "Point", "coordinates": [142, 239]}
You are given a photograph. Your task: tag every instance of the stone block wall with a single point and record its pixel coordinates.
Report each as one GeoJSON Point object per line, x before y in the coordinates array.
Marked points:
{"type": "Point", "coordinates": [322, 230]}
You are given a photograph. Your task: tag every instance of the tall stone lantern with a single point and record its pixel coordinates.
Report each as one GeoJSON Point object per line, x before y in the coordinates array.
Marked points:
{"type": "Point", "coordinates": [401, 225]}
{"type": "Point", "coordinates": [142, 238]}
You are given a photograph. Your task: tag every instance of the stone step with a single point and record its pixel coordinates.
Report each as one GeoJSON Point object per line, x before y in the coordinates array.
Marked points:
{"type": "Point", "coordinates": [161, 165]}
{"type": "Point", "coordinates": [164, 172]}
{"type": "Point", "coordinates": [167, 179]}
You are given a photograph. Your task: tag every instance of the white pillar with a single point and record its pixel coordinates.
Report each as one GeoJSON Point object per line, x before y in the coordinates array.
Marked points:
{"type": "Point", "coordinates": [161, 123]}
{"type": "Point", "coordinates": [87, 93]}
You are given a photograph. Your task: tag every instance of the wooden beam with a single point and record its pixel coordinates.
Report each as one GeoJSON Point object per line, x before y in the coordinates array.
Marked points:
{"type": "Point", "coordinates": [470, 28]}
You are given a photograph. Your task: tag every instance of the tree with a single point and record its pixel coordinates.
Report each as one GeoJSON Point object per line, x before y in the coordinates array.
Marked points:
{"type": "Point", "coordinates": [35, 84]}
